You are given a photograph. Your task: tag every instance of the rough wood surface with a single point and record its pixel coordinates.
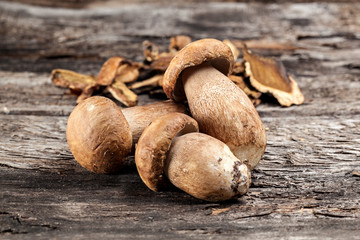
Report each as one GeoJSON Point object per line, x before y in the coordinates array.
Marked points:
{"type": "Point", "coordinates": [306, 187]}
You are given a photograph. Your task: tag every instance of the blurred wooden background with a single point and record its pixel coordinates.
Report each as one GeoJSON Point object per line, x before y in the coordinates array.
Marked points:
{"type": "Point", "coordinates": [307, 185]}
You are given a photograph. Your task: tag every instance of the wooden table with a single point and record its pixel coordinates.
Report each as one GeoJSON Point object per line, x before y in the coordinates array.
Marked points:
{"type": "Point", "coordinates": [307, 185]}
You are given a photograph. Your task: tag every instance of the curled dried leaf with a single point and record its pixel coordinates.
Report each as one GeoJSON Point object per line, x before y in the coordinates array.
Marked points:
{"type": "Point", "coordinates": [76, 82]}
{"type": "Point", "coordinates": [127, 73]}
{"type": "Point", "coordinates": [108, 71]}
{"type": "Point", "coordinates": [154, 81]}
{"type": "Point", "coordinates": [233, 48]}
{"type": "Point", "coordinates": [267, 44]}
{"type": "Point", "coordinates": [178, 42]}
{"type": "Point", "coordinates": [150, 50]}
{"type": "Point", "coordinates": [163, 61]}
{"type": "Point", "coordinates": [255, 101]}
{"type": "Point", "coordinates": [122, 93]}
{"type": "Point", "coordinates": [269, 75]}
{"type": "Point", "coordinates": [238, 68]}
{"type": "Point", "coordinates": [239, 81]}
{"type": "Point", "coordinates": [87, 92]}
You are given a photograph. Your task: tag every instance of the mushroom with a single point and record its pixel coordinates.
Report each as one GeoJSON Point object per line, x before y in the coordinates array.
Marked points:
{"type": "Point", "coordinates": [196, 163]}
{"type": "Point", "coordinates": [100, 134]}
{"type": "Point", "coordinates": [198, 74]}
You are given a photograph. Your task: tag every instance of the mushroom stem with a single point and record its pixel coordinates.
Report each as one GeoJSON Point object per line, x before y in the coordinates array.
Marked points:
{"type": "Point", "coordinates": [140, 117]}
{"type": "Point", "coordinates": [225, 112]}
{"type": "Point", "coordinates": [205, 168]}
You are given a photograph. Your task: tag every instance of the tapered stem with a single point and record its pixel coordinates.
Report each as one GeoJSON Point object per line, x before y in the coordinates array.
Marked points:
{"type": "Point", "coordinates": [140, 117]}
{"type": "Point", "coordinates": [225, 112]}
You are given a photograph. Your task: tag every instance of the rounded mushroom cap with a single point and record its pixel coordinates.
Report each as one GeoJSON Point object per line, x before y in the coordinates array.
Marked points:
{"type": "Point", "coordinates": [154, 143]}
{"type": "Point", "coordinates": [205, 168]}
{"type": "Point", "coordinates": [205, 50]}
{"type": "Point", "coordinates": [98, 135]}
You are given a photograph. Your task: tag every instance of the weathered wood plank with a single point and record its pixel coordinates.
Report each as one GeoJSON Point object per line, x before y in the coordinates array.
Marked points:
{"type": "Point", "coordinates": [306, 186]}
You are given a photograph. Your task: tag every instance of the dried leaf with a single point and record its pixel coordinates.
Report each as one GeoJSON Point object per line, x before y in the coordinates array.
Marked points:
{"type": "Point", "coordinates": [356, 173]}
{"type": "Point", "coordinates": [162, 63]}
{"type": "Point", "coordinates": [154, 81]}
{"type": "Point", "coordinates": [108, 71]}
{"type": "Point", "coordinates": [269, 75]}
{"type": "Point", "coordinates": [238, 68]}
{"type": "Point", "coordinates": [256, 101]}
{"type": "Point", "coordinates": [239, 81]}
{"type": "Point", "coordinates": [233, 48]}
{"type": "Point", "coordinates": [178, 42]}
{"type": "Point", "coordinates": [87, 92]}
{"type": "Point", "coordinates": [151, 51]}
{"type": "Point", "coordinates": [69, 79]}
{"type": "Point", "coordinates": [127, 73]}
{"type": "Point", "coordinates": [267, 44]}
{"type": "Point", "coordinates": [122, 93]}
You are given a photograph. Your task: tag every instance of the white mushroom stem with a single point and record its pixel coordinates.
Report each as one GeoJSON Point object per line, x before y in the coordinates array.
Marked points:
{"type": "Point", "coordinates": [205, 168]}
{"type": "Point", "coordinates": [140, 117]}
{"type": "Point", "coordinates": [225, 112]}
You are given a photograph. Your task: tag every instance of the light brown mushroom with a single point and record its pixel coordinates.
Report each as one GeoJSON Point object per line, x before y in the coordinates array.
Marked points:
{"type": "Point", "coordinates": [198, 73]}
{"type": "Point", "coordinates": [100, 134]}
{"type": "Point", "coordinates": [154, 144]}
{"type": "Point", "coordinates": [205, 168]}
{"type": "Point", "coordinates": [196, 163]}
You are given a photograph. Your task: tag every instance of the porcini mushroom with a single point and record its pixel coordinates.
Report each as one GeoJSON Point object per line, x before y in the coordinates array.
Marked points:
{"type": "Point", "coordinates": [196, 163]}
{"type": "Point", "coordinates": [206, 168]}
{"type": "Point", "coordinates": [100, 134]}
{"type": "Point", "coordinates": [198, 74]}
{"type": "Point", "coordinates": [153, 144]}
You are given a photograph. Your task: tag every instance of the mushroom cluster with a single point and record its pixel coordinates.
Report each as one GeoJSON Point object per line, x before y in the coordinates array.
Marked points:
{"type": "Point", "coordinates": [208, 152]}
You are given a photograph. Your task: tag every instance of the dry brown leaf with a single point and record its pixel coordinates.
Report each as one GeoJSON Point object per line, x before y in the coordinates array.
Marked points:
{"type": "Point", "coordinates": [69, 79]}
{"type": "Point", "coordinates": [154, 81]}
{"type": "Point", "coordinates": [255, 101]}
{"type": "Point", "coordinates": [162, 63]}
{"type": "Point", "coordinates": [122, 93]}
{"type": "Point", "coordinates": [127, 73]}
{"type": "Point", "coordinates": [239, 81]}
{"type": "Point", "coordinates": [254, 96]}
{"type": "Point", "coordinates": [267, 44]}
{"type": "Point", "coordinates": [269, 75]}
{"type": "Point", "coordinates": [108, 71]}
{"type": "Point", "coordinates": [87, 92]}
{"type": "Point", "coordinates": [233, 48]}
{"type": "Point", "coordinates": [150, 50]}
{"type": "Point", "coordinates": [355, 173]}
{"type": "Point", "coordinates": [86, 85]}
{"type": "Point", "coordinates": [238, 68]}
{"type": "Point", "coordinates": [178, 42]}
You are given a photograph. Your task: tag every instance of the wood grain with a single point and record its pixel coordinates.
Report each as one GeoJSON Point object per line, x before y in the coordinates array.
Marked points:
{"type": "Point", "coordinates": [305, 187]}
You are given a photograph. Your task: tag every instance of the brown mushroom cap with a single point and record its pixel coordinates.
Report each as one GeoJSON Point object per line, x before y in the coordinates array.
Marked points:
{"type": "Point", "coordinates": [154, 144]}
{"type": "Point", "coordinates": [205, 50]}
{"type": "Point", "coordinates": [98, 135]}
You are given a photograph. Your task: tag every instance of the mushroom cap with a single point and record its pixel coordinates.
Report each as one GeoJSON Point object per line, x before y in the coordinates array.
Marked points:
{"type": "Point", "coordinates": [205, 50]}
{"type": "Point", "coordinates": [98, 135]}
{"type": "Point", "coordinates": [154, 143]}
{"type": "Point", "coordinates": [205, 168]}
